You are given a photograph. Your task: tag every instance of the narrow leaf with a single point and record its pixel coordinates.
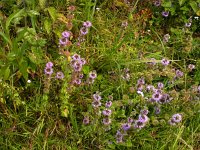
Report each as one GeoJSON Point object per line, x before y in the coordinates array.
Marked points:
{"type": "Point", "coordinates": [6, 38]}
{"type": "Point", "coordinates": [12, 16]}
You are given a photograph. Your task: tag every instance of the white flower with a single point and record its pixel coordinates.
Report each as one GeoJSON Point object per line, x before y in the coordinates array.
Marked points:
{"type": "Point", "coordinates": [141, 93]}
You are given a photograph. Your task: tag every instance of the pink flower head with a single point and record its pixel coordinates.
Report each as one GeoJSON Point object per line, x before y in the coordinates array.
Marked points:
{"type": "Point", "coordinates": [66, 34]}
{"type": "Point", "coordinates": [59, 75]}
{"type": "Point", "coordinates": [87, 24]}
{"type": "Point", "coordinates": [49, 64]}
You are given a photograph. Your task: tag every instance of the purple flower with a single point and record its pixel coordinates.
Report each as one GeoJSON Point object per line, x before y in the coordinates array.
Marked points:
{"type": "Point", "coordinates": [90, 81]}
{"type": "Point", "coordinates": [126, 76]}
{"type": "Point", "coordinates": [140, 87]}
{"type": "Point", "coordinates": [166, 38]}
{"type": "Point", "coordinates": [165, 13]}
{"type": "Point", "coordinates": [96, 103]}
{"type": "Point", "coordinates": [156, 96]}
{"type": "Point", "coordinates": [48, 71]}
{"type": "Point", "coordinates": [143, 118]}
{"type": "Point", "coordinates": [86, 120]}
{"type": "Point", "coordinates": [165, 62]}
{"type": "Point", "coordinates": [59, 75]}
{"type": "Point", "coordinates": [164, 99]}
{"type": "Point", "coordinates": [171, 122]}
{"type": "Point", "coordinates": [141, 81]}
{"type": "Point", "coordinates": [152, 61]}
{"type": "Point", "coordinates": [157, 110]}
{"type": "Point", "coordinates": [130, 120]}
{"type": "Point", "coordinates": [191, 67]}
{"type": "Point", "coordinates": [160, 85]}
{"type": "Point", "coordinates": [150, 88]}
{"type": "Point", "coordinates": [157, 3]}
{"type": "Point", "coordinates": [81, 76]}
{"type": "Point", "coordinates": [77, 81]}
{"type": "Point", "coordinates": [77, 66]}
{"type": "Point", "coordinates": [119, 137]}
{"type": "Point", "coordinates": [110, 97]}
{"type": "Point", "coordinates": [176, 118]}
{"type": "Point", "coordinates": [108, 104]}
{"type": "Point", "coordinates": [106, 121]}
{"type": "Point", "coordinates": [96, 97]}
{"type": "Point", "coordinates": [93, 74]}
{"type": "Point", "coordinates": [144, 111]}
{"type": "Point", "coordinates": [87, 24]}
{"type": "Point", "coordinates": [83, 61]}
{"type": "Point", "coordinates": [139, 124]}
{"type": "Point", "coordinates": [49, 64]}
{"type": "Point", "coordinates": [84, 31]}
{"type": "Point", "coordinates": [66, 34]}
{"type": "Point", "coordinates": [63, 41]}
{"type": "Point", "coordinates": [106, 112]}
{"type": "Point", "coordinates": [126, 126]}
{"type": "Point", "coordinates": [179, 73]}
{"type": "Point", "coordinates": [151, 100]}
{"type": "Point", "coordinates": [124, 24]}
{"type": "Point", "coordinates": [188, 24]}
{"type": "Point", "coordinates": [76, 57]}
{"type": "Point", "coordinates": [157, 91]}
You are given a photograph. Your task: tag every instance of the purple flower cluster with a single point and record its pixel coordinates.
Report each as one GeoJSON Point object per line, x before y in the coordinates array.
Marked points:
{"type": "Point", "coordinates": [159, 97]}
{"type": "Point", "coordinates": [140, 84]}
{"type": "Point", "coordinates": [176, 118]}
{"type": "Point", "coordinates": [64, 40]}
{"type": "Point", "coordinates": [119, 137]}
{"type": "Point", "coordinates": [92, 76]}
{"type": "Point", "coordinates": [96, 100]}
{"type": "Point", "coordinates": [77, 62]}
{"type": "Point", "coordinates": [165, 62]}
{"type": "Point", "coordinates": [107, 113]}
{"type": "Point", "coordinates": [83, 31]}
{"type": "Point", "coordinates": [48, 69]}
{"type": "Point", "coordinates": [142, 119]}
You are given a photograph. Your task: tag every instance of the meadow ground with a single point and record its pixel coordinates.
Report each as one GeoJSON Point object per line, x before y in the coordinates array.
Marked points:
{"type": "Point", "coordinates": [100, 74]}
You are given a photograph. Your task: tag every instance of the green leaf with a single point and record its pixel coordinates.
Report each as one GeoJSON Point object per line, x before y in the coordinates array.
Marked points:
{"type": "Point", "coordinates": [86, 69]}
{"type": "Point", "coordinates": [6, 38]}
{"type": "Point", "coordinates": [42, 3]}
{"type": "Point", "coordinates": [167, 4]}
{"type": "Point", "coordinates": [7, 73]}
{"type": "Point", "coordinates": [13, 16]}
{"type": "Point", "coordinates": [64, 111]}
{"type": "Point", "coordinates": [194, 6]}
{"type": "Point", "coordinates": [33, 13]}
{"type": "Point", "coordinates": [47, 25]}
{"type": "Point", "coordinates": [181, 2]}
{"type": "Point", "coordinates": [52, 12]}
{"type": "Point", "coordinates": [23, 66]}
